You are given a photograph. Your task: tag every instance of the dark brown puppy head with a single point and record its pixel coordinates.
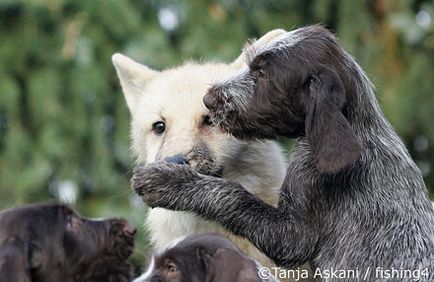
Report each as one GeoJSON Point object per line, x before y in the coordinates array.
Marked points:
{"type": "Point", "coordinates": [301, 84]}
{"type": "Point", "coordinates": [50, 242]}
{"type": "Point", "coordinates": [206, 257]}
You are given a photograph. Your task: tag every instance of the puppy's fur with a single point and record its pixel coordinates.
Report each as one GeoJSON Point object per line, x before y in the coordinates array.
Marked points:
{"type": "Point", "coordinates": [352, 197]}
{"type": "Point", "coordinates": [50, 242]}
{"type": "Point", "coordinates": [207, 257]}
{"type": "Point", "coordinates": [174, 97]}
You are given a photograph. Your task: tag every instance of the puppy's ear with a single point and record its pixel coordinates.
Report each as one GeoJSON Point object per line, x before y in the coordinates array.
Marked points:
{"type": "Point", "coordinates": [133, 77]}
{"type": "Point", "coordinates": [333, 141]}
{"type": "Point", "coordinates": [14, 265]}
{"type": "Point", "coordinates": [208, 263]}
{"type": "Point", "coordinates": [256, 44]}
{"type": "Point", "coordinates": [230, 265]}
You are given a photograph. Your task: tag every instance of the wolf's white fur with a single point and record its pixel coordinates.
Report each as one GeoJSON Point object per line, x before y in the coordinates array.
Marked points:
{"type": "Point", "coordinates": [175, 97]}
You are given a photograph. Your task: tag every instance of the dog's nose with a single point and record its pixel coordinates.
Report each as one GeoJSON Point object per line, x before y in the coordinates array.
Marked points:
{"type": "Point", "coordinates": [177, 159]}
{"type": "Point", "coordinates": [209, 101]}
{"type": "Point", "coordinates": [129, 229]}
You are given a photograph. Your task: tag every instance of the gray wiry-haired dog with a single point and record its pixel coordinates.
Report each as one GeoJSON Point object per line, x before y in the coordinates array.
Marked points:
{"type": "Point", "coordinates": [353, 199]}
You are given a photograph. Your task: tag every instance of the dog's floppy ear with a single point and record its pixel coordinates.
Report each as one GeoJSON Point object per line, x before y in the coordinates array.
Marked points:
{"type": "Point", "coordinates": [264, 40]}
{"type": "Point", "coordinates": [333, 141]}
{"type": "Point", "coordinates": [229, 265]}
{"type": "Point", "coordinates": [14, 265]}
{"type": "Point", "coordinates": [208, 263]}
{"type": "Point", "coordinates": [133, 76]}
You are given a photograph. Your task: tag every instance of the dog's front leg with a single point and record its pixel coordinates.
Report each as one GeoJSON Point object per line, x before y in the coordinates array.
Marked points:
{"type": "Point", "coordinates": [286, 238]}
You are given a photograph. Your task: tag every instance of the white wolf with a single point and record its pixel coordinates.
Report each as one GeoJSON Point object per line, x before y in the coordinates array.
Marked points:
{"type": "Point", "coordinates": [169, 121]}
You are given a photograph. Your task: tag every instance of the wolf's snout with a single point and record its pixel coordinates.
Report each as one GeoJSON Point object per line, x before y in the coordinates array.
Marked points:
{"type": "Point", "coordinates": [210, 101]}
{"type": "Point", "coordinates": [177, 159]}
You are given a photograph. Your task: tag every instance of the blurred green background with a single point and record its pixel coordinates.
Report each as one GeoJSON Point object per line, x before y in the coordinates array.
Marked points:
{"type": "Point", "coordinates": [63, 120]}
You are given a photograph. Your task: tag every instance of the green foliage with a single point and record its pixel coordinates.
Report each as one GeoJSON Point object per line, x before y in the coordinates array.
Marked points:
{"type": "Point", "coordinates": [63, 120]}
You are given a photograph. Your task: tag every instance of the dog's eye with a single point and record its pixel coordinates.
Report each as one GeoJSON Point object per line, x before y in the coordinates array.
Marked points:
{"type": "Point", "coordinates": [73, 223]}
{"type": "Point", "coordinates": [159, 127]}
{"type": "Point", "coordinates": [171, 267]}
{"type": "Point", "coordinates": [207, 121]}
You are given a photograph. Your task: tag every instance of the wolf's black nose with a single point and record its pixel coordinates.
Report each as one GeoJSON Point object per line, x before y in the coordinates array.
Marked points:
{"type": "Point", "coordinates": [209, 101]}
{"type": "Point", "coordinates": [177, 159]}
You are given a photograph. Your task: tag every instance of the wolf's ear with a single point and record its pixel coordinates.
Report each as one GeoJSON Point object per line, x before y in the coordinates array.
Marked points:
{"type": "Point", "coordinates": [333, 141]}
{"type": "Point", "coordinates": [264, 40]}
{"type": "Point", "coordinates": [133, 76]}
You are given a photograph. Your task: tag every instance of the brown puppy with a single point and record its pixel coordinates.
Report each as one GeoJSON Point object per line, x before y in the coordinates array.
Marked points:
{"type": "Point", "coordinates": [207, 257]}
{"type": "Point", "coordinates": [50, 242]}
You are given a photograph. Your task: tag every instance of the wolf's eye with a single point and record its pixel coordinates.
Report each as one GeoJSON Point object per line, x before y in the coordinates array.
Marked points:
{"type": "Point", "coordinates": [207, 121]}
{"type": "Point", "coordinates": [159, 127]}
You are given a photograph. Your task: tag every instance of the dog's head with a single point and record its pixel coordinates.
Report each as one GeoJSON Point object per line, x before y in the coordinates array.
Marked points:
{"type": "Point", "coordinates": [169, 120]}
{"type": "Point", "coordinates": [107, 261]}
{"type": "Point", "coordinates": [206, 257]}
{"type": "Point", "coordinates": [300, 84]}
{"type": "Point", "coordinates": [50, 242]}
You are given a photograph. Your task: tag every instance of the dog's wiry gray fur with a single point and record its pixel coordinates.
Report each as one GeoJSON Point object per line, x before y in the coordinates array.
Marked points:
{"type": "Point", "coordinates": [352, 197]}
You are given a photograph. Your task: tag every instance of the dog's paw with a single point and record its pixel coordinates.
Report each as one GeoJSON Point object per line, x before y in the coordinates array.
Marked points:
{"type": "Point", "coordinates": [162, 184]}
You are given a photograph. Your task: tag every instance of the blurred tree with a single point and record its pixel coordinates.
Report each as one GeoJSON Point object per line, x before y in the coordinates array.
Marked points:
{"type": "Point", "coordinates": [64, 123]}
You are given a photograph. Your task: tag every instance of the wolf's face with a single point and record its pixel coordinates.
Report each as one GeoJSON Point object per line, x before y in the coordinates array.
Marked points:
{"type": "Point", "coordinates": [169, 120]}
